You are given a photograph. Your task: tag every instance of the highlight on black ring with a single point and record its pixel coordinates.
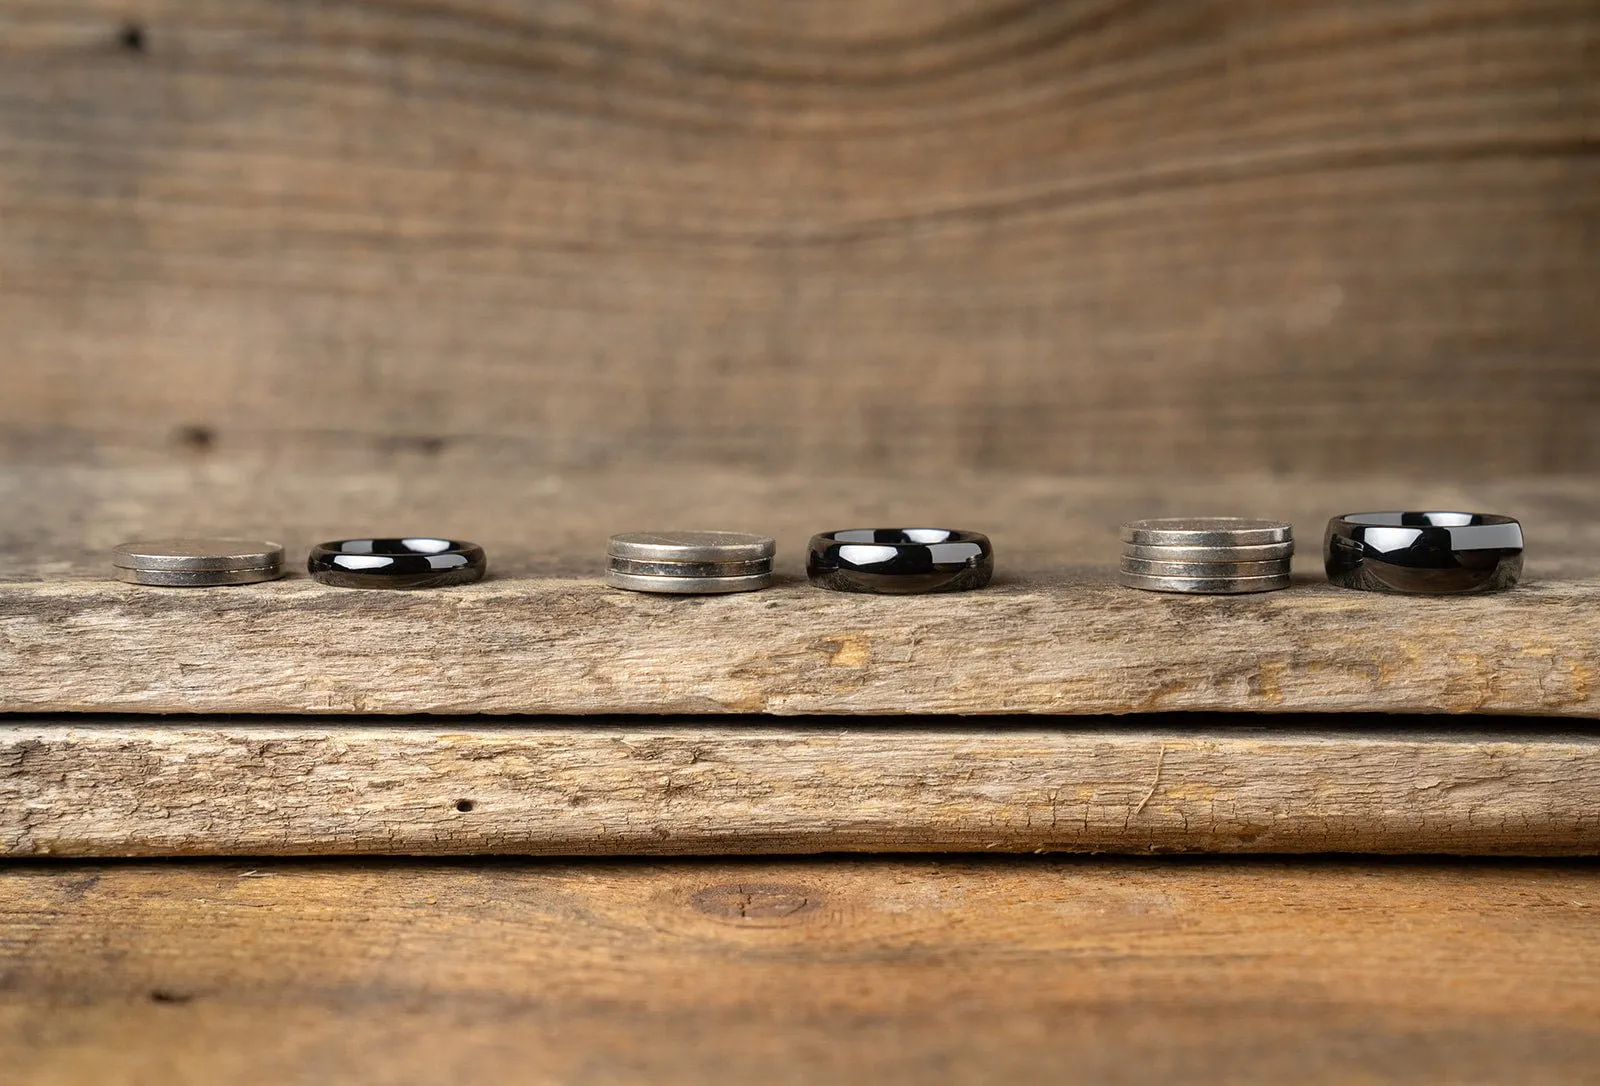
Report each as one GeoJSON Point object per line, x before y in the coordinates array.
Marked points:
{"type": "Point", "coordinates": [399, 562]}
{"type": "Point", "coordinates": [900, 561]}
{"type": "Point", "coordinates": [1423, 553]}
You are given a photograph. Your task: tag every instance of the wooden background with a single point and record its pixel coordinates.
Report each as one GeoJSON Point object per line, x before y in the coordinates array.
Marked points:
{"type": "Point", "coordinates": [888, 235]}
{"type": "Point", "coordinates": [888, 971]}
{"type": "Point", "coordinates": [499, 254]}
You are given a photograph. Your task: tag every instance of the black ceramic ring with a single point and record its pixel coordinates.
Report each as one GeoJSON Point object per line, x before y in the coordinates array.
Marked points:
{"type": "Point", "coordinates": [1431, 554]}
{"type": "Point", "coordinates": [900, 561]}
{"type": "Point", "coordinates": [412, 562]}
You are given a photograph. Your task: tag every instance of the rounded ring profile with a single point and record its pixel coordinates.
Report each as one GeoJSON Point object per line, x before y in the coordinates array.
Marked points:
{"type": "Point", "coordinates": [409, 562]}
{"type": "Point", "coordinates": [1423, 553]}
{"type": "Point", "coordinates": [900, 561]}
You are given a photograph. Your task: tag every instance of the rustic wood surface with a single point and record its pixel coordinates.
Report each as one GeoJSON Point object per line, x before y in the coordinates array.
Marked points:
{"type": "Point", "coordinates": [73, 788]}
{"type": "Point", "coordinates": [888, 971]}
{"type": "Point", "coordinates": [1053, 634]}
{"type": "Point", "coordinates": [917, 234]}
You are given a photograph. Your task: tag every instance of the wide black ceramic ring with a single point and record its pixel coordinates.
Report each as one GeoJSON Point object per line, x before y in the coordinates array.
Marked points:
{"type": "Point", "coordinates": [1436, 553]}
{"type": "Point", "coordinates": [412, 562]}
{"type": "Point", "coordinates": [900, 561]}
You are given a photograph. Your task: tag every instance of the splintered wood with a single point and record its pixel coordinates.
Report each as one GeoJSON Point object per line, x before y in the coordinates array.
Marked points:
{"type": "Point", "coordinates": [606, 787]}
{"type": "Point", "coordinates": [1053, 634]}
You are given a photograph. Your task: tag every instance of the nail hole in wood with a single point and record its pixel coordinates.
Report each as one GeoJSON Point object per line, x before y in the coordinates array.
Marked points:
{"type": "Point", "coordinates": [162, 995]}
{"type": "Point", "coordinates": [197, 438]}
{"type": "Point", "coordinates": [420, 444]}
{"type": "Point", "coordinates": [465, 805]}
{"type": "Point", "coordinates": [131, 37]}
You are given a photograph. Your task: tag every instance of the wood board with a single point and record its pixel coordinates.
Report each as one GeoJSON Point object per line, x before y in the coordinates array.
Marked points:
{"type": "Point", "coordinates": [841, 970]}
{"type": "Point", "coordinates": [74, 787]}
{"type": "Point", "coordinates": [1081, 236]}
{"type": "Point", "coordinates": [1053, 634]}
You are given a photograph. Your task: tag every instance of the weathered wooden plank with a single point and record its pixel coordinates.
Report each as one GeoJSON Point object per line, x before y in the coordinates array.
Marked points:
{"type": "Point", "coordinates": [1052, 635]}
{"type": "Point", "coordinates": [75, 789]}
{"type": "Point", "coordinates": [911, 234]}
{"type": "Point", "coordinates": [889, 971]}
{"type": "Point", "coordinates": [1073, 644]}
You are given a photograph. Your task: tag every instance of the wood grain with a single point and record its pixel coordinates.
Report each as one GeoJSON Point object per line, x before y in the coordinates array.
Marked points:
{"type": "Point", "coordinates": [1074, 644]}
{"type": "Point", "coordinates": [86, 788]}
{"type": "Point", "coordinates": [911, 234]}
{"type": "Point", "coordinates": [891, 971]}
{"type": "Point", "coordinates": [1053, 634]}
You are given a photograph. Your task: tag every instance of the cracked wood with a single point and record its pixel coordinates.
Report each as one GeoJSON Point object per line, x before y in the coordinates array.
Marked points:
{"type": "Point", "coordinates": [1053, 634]}
{"type": "Point", "coordinates": [120, 788]}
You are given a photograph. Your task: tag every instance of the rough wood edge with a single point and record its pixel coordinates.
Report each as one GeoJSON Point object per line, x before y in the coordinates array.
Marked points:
{"type": "Point", "coordinates": [1073, 644]}
{"type": "Point", "coordinates": [320, 787]}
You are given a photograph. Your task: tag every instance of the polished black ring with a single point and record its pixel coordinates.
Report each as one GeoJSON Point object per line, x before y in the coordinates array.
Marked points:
{"type": "Point", "coordinates": [900, 561]}
{"type": "Point", "coordinates": [412, 562]}
{"type": "Point", "coordinates": [1437, 553]}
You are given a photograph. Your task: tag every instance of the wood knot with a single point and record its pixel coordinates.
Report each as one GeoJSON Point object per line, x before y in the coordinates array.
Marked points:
{"type": "Point", "coordinates": [766, 904]}
{"type": "Point", "coordinates": [196, 438]}
{"type": "Point", "coordinates": [132, 38]}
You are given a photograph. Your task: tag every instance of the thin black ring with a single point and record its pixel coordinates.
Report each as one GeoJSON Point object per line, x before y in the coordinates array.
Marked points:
{"type": "Point", "coordinates": [900, 561]}
{"type": "Point", "coordinates": [1433, 553]}
{"type": "Point", "coordinates": [409, 562]}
